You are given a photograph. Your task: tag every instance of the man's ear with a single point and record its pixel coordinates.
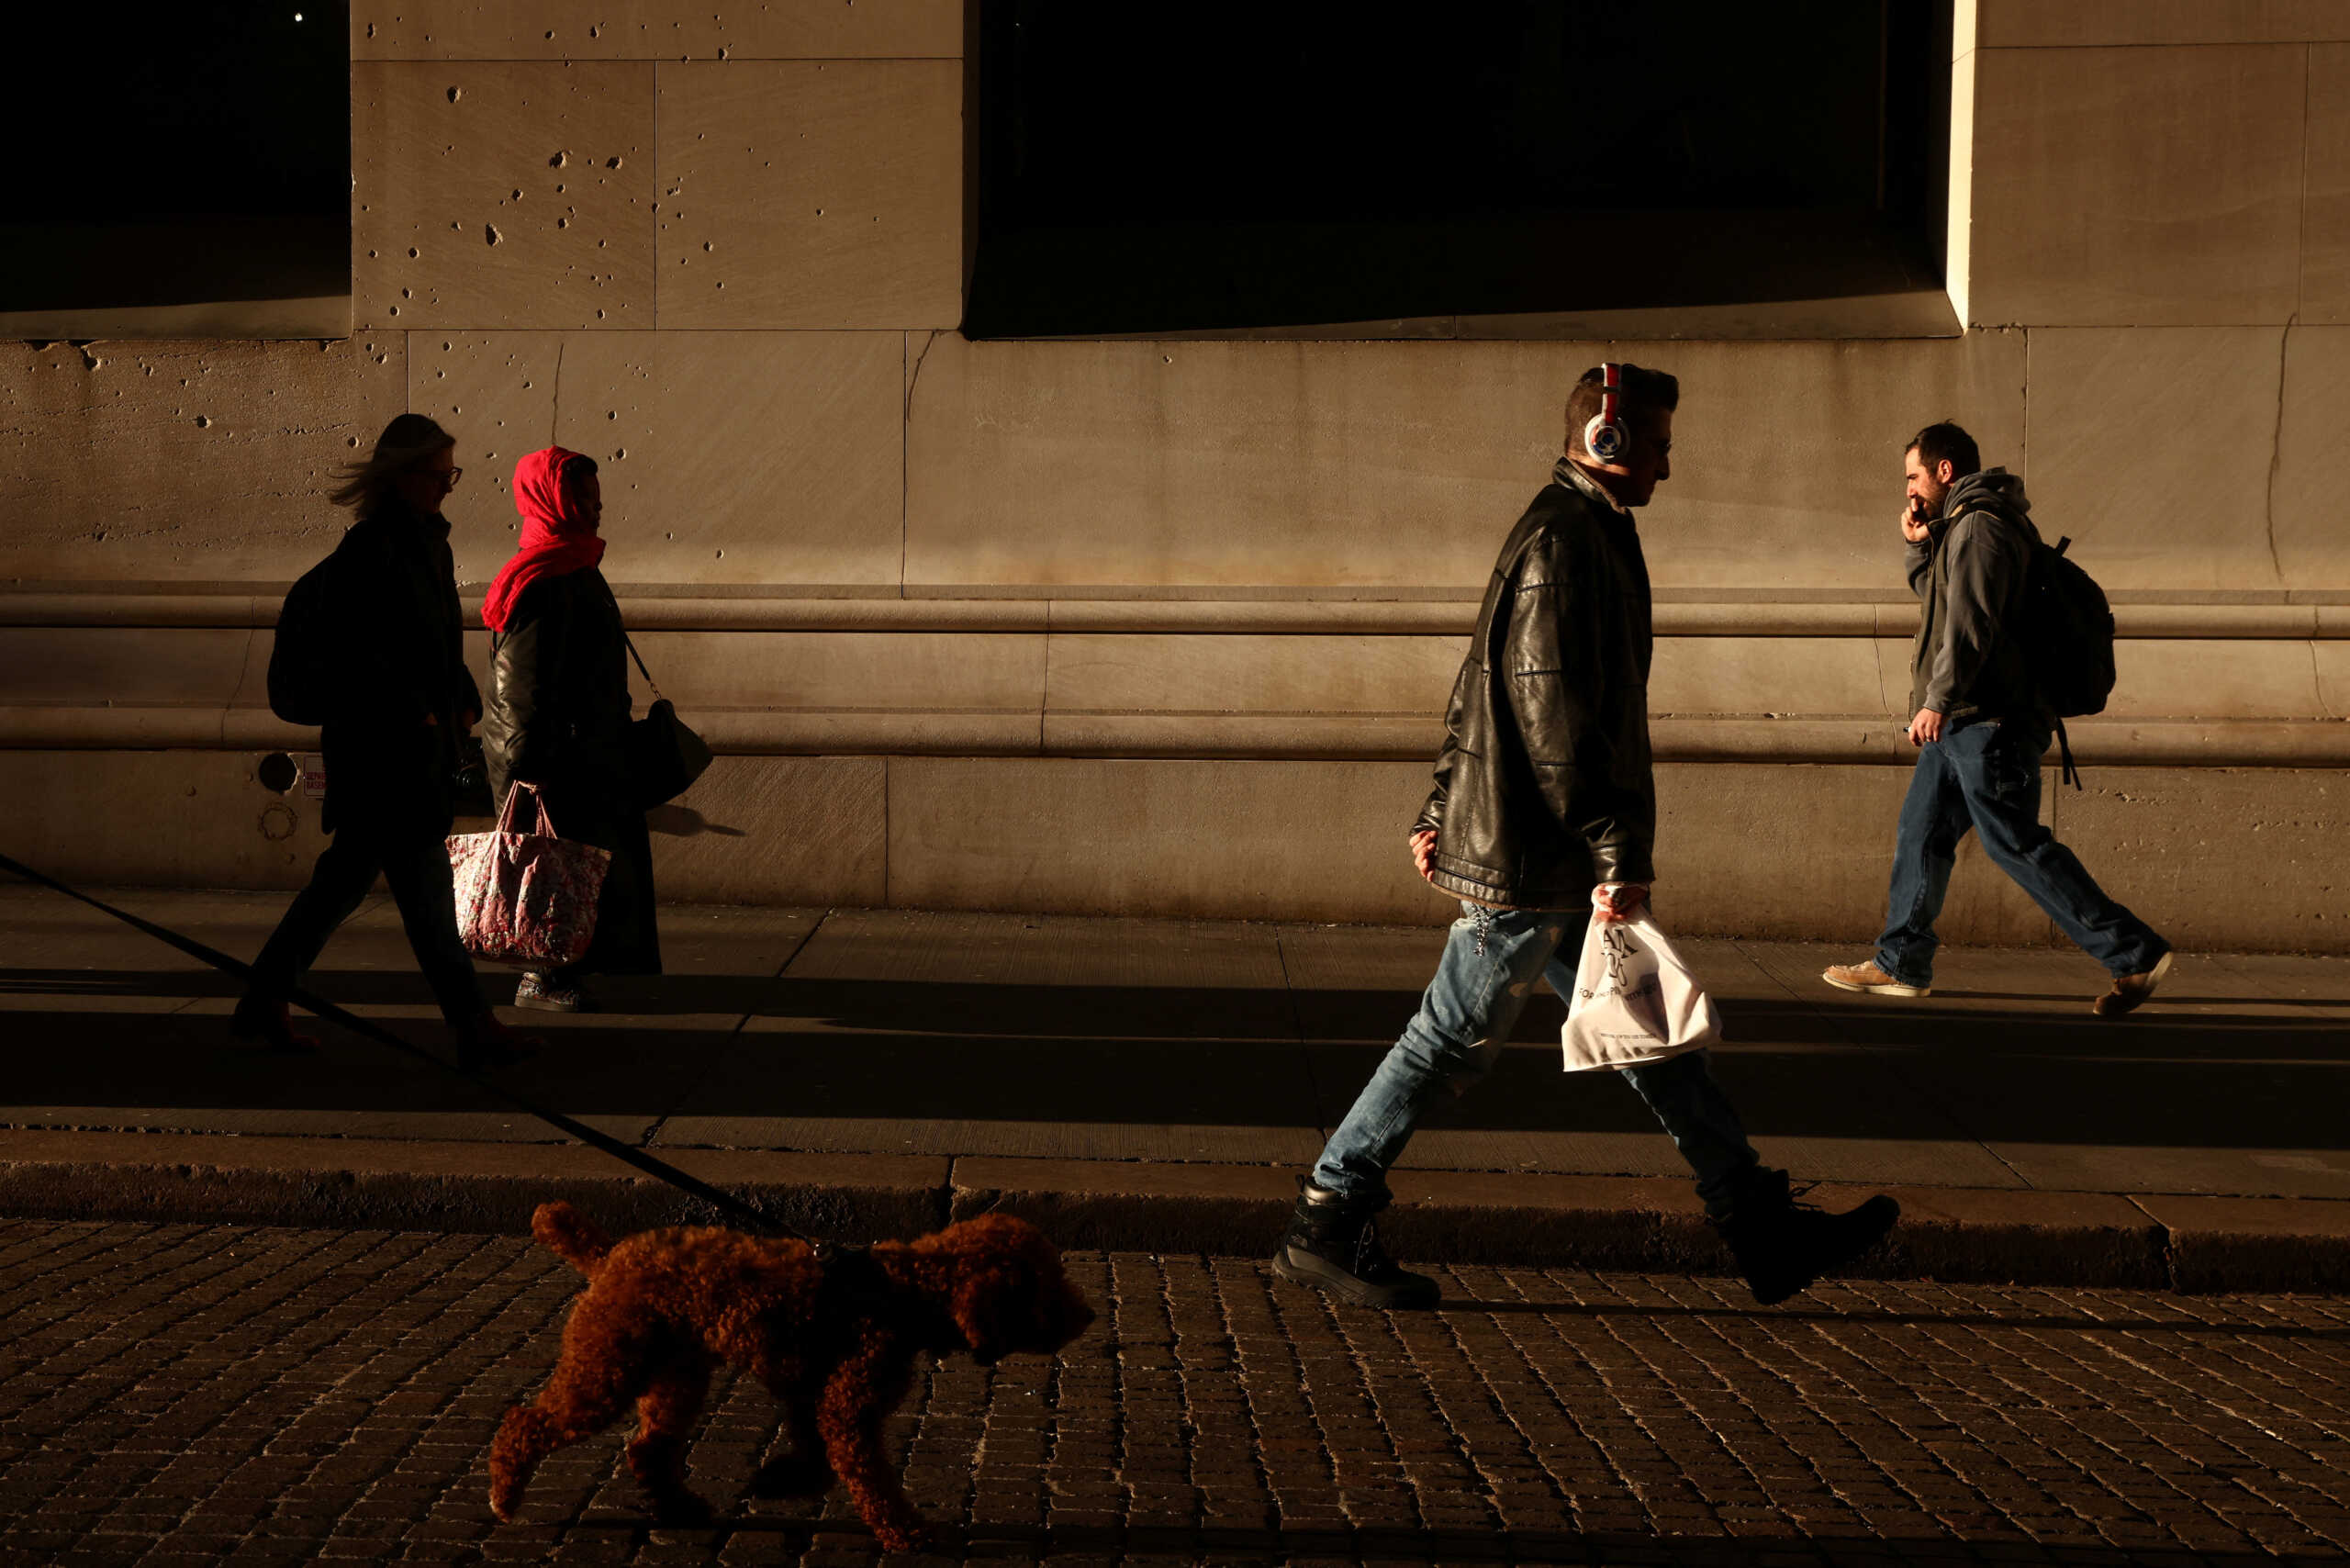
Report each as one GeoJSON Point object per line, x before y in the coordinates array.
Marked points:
{"type": "Point", "coordinates": [1945, 473]}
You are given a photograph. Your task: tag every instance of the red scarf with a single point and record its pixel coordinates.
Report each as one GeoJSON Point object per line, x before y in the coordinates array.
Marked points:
{"type": "Point", "coordinates": [556, 539]}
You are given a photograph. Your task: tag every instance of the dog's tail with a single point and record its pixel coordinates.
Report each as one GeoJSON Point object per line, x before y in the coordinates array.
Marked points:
{"type": "Point", "coordinates": [562, 1231]}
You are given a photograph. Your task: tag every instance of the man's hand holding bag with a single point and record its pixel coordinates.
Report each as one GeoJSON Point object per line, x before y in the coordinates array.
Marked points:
{"type": "Point", "coordinates": [1633, 1000]}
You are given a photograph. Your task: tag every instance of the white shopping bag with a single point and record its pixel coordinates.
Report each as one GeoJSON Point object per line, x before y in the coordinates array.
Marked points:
{"type": "Point", "coordinates": [1634, 1001]}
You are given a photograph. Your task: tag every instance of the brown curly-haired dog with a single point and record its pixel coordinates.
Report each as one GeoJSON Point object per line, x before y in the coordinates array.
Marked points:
{"type": "Point", "coordinates": [834, 1340]}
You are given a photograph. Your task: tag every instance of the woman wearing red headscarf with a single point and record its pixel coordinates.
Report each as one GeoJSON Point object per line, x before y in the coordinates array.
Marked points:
{"type": "Point", "coordinates": [558, 711]}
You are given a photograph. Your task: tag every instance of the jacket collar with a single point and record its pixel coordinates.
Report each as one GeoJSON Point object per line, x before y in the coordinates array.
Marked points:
{"type": "Point", "coordinates": [1568, 474]}
{"type": "Point", "coordinates": [395, 513]}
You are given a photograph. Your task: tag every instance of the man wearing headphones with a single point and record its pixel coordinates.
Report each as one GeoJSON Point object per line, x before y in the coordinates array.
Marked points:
{"type": "Point", "coordinates": [1541, 819]}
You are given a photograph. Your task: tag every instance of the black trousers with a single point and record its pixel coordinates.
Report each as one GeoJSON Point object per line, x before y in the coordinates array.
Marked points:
{"type": "Point", "coordinates": [411, 853]}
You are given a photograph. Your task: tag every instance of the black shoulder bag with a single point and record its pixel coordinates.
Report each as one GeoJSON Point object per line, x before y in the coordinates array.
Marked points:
{"type": "Point", "coordinates": [664, 753]}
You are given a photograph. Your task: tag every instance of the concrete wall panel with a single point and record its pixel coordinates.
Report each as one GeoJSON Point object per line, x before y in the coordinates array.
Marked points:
{"type": "Point", "coordinates": [96, 666]}
{"type": "Point", "coordinates": [501, 194]}
{"type": "Point", "coordinates": [2305, 500]}
{"type": "Point", "coordinates": [1213, 839]}
{"type": "Point", "coordinates": [2181, 846]}
{"type": "Point", "coordinates": [1756, 676]}
{"type": "Point", "coordinates": [1254, 675]}
{"type": "Point", "coordinates": [2136, 187]}
{"type": "Point", "coordinates": [728, 457]}
{"type": "Point", "coordinates": [2191, 679]}
{"type": "Point", "coordinates": [1756, 851]}
{"type": "Point", "coordinates": [811, 195]}
{"type": "Point", "coordinates": [1400, 465]}
{"type": "Point", "coordinates": [2333, 661]}
{"type": "Point", "coordinates": [2012, 23]}
{"type": "Point", "coordinates": [200, 460]}
{"type": "Point", "coordinates": [943, 672]}
{"type": "Point", "coordinates": [651, 30]}
{"type": "Point", "coordinates": [776, 830]}
{"type": "Point", "coordinates": [1805, 853]}
{"type": "Point", "coordinates": [2325, 221]}
{"type": "Point", "coordinates": [2150, 449]}
{"type": "Point", "coordinates": [155, 819]}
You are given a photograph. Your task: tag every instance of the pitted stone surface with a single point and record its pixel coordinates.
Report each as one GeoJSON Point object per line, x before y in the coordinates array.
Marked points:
{"type": "Point", "coordinates": [180, 1394]}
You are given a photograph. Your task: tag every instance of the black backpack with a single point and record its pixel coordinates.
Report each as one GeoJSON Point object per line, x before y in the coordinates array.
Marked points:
{"type": "Point", "coordinates": [2067, 629]}
{"type": "Point", "coordinates": [302, 661]}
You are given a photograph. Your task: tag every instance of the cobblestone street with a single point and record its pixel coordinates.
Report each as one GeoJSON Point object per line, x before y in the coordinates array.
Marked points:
{"type": "Point", "coordinates": [186, 1394]}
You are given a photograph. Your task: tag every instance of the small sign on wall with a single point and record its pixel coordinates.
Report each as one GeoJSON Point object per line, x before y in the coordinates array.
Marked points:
{"type": "Point", "coordinates": [314, 776]}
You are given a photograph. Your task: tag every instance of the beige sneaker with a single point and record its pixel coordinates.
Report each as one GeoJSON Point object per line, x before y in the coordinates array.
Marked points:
{"type": "Point", "coordinates": [1869, 977]}
{"type": "Point", "coordinates": [2131, 989]}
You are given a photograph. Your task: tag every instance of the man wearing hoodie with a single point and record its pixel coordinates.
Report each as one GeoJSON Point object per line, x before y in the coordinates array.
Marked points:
{"type": "Point", "coordinates": [1981, 728]}
{"type": "Point", "coordinates": [1542, 821]}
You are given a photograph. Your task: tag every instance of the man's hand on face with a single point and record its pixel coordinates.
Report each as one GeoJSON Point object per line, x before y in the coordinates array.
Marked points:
{"type": "Point", "coordinates": [1927, 727]}
{"type": "Point", "coordinates": [1423, 853]}
{"type": "Point", "coordinates": [1615, 901]}
{"type": "Point", "coordinates": [1915, 531]}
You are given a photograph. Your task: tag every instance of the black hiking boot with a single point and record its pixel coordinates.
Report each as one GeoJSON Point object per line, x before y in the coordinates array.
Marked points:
{"type": "Point", "coordinates": [1782, 1245]}
{"type": "Point", "coordinates": [1332, 1245]}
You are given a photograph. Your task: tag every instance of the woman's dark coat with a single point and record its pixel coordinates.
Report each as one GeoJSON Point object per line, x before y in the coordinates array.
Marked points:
{"type": "Point", "coordinates": [558, 717]}
{"type": "Point", "coordinates": [403, 694]}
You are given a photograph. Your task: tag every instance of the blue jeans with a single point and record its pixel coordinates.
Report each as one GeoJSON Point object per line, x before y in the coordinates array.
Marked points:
{"type": "Point", "coordinates": [1491, 962]}
{"type": "Point", "coordinates": [1986, 775]}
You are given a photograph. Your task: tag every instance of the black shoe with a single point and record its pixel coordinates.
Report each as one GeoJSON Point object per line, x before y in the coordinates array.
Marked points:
{"type": "Point", "coordinates": [1332, 1245]}
{"type": "Point", "coordinates": [1782, 1245]}
{"type": "Point", "coordinates": [270, 1026]}
{"type": "Point", "coordinates": [547, 995]}
{"type": "Point", "coordinates": [484, 1043]}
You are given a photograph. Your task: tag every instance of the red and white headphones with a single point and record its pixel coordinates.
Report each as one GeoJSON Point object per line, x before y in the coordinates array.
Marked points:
{"type": "Point", "coordinates": [1603, 437]}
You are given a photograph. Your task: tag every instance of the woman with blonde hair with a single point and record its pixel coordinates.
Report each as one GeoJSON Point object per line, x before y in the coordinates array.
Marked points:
{"type": "Point", "coordinates": [398, 699]}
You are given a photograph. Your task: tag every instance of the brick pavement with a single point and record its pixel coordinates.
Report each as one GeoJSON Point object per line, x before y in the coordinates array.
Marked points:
{"type": "Point", "coordinates": [190, 1395]}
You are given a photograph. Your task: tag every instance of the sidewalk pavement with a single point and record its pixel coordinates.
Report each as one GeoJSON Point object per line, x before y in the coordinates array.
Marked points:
{"type": "Point", "coordinates": [1155, 1085]}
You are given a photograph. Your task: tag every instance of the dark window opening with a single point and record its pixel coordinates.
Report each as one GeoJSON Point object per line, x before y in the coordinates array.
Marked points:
{"type": "Point", "coordinates": [1156, 167]}
{"type": "Point", "coordinates": [183, 165]}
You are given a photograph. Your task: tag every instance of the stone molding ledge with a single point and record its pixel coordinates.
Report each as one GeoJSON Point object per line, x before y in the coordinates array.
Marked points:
{"type": "Point", "coordinates": [2307, 615]}
{"type": "Point", "coordinates": [1360, 737]}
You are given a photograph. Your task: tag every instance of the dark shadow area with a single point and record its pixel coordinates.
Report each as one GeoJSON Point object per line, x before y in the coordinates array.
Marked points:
{"type": "Point", "coordinates": [768, 1047]}
{"type": "Point", "coordinates": [1255, 167]}
{"type": "Point", "coordinates": [1277, 1544]}
{"type": "Point", "coordinates": [177, 155]}
{"type": "Point", "coordinates": [1749, 1316]}
{"type": "Point", "coordinates": [1334, 1017]}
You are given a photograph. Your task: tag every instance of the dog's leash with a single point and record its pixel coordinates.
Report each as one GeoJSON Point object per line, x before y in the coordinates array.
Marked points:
{"type": "Point", "coordinates": [660, 1169]}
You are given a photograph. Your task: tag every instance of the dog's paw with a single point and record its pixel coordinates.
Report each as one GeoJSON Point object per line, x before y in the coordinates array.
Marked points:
{"type": "Point", "coordinates": [505, 1502]}
{"type": "Point", "coordinates": [792, 1475]}
{"type": "Point", "coordinates": [910, 1536]}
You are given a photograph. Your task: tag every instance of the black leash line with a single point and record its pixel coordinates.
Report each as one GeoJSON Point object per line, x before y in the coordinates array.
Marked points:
{"type": "Point", "coordinates": [658, 1169]}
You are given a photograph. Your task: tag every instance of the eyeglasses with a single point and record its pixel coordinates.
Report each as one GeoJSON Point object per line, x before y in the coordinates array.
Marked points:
{"type": "Point", "coordinates": [448, 478]}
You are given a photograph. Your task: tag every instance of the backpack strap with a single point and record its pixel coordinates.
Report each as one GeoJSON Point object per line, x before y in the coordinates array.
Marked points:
{"type": "Point", "coordinates": [2069, 774]}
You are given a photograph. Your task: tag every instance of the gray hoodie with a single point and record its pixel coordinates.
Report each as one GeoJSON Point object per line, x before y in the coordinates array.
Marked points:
{"type": "Point", "coordinates": [1969, 575]}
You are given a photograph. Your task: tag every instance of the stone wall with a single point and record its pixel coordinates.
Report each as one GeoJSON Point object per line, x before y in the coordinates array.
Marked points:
{"type": "Point", "coordinates": [1137, 626]}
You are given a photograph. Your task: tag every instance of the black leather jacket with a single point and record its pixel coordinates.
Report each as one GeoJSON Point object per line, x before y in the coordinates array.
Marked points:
{"type": "Point", "coordinates": [558, 690]}
{"type": "Point", "coordinates": [1544, 788]}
